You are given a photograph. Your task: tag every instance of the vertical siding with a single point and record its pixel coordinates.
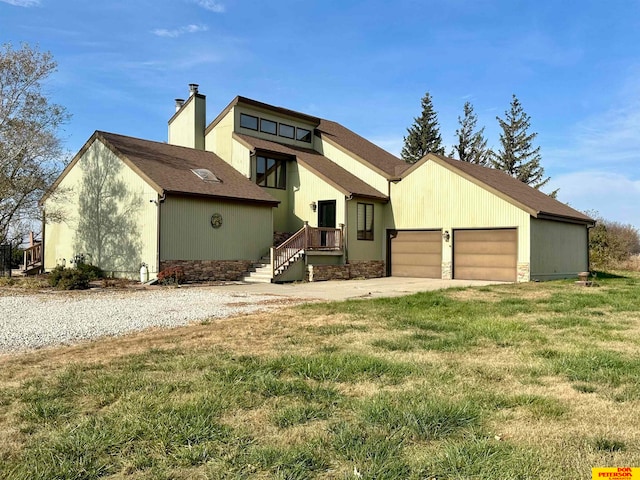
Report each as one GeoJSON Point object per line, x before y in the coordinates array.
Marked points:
{"type": "Point", "coordinates": [187, 129]}
{"type": "Point", "coordinates": [433, 197]}
{"type": "Point", "coordinates": [354, 166]}
{"type": "Point", "coordinates": [304, 188]}
{"type": "Point", "coordinates": [558, 250]}
{"type": "Point", "coordinates": [366, 249]}
{"type": "Point", "coordinates": [187, 234]}
{"type": "Point", "coordinates": [63, 237]}
{"type": "Point", "coordinates": [220, 142]}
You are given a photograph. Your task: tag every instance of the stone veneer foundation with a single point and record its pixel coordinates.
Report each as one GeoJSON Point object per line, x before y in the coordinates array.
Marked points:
{"type": "Point", "coordinates": [353, 270]}
{"type": "Point", "coordinates": [210, 270]}
{"type": "Point", "coordinates": [524, 274]}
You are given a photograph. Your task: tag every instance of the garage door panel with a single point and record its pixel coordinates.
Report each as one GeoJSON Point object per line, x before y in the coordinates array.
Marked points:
{"type": "Point", "coordinates": [489, 254]}
{"type": "Point", "coordinates": [416, 271]}
{"type": "Point", "coordinates": [416, 247]}
{"type": "Point", "coordinates": [417, 259]}
{"type": "Point", "coordinates": [485, 261]}
{"type": "Point", "coordinates": [485, 273]}
{"type": "Point", "coordinates": [417, 254]}
{"type": "Point", "coordinates": [488, 248]}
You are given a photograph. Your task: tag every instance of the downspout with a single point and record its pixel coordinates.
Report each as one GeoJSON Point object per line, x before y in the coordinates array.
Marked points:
{"type": "Point", "coordinates": [345, 239]}
{"type": "Point", "coordinates": [44, 222]}
{"type": "Point", "coordinates": [160, 201]}
{"type": "Point", "coordinates": [589, 227]}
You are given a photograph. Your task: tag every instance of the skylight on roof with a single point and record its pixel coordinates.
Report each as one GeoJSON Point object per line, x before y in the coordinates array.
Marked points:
{"type": "Point", "coordinates": [206, 175]}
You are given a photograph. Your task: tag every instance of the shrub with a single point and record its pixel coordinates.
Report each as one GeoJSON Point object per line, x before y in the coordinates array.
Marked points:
{"type": "Point", "coordinates": [68, 279]}
{"type": "Point", "coordinates": [92, 271]}
{"type": "Point", "coordinates": [171, 276]}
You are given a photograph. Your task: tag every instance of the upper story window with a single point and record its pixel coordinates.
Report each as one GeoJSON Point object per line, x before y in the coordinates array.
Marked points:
{"type": "Point", "coordinates": [365, 221]}
{"type": "Point", "coordinates": [267, 126]}
{"type": "Point", "coordinates": [303, 135]}
{"type": "Point", "coordinates": [287, 131]}
{"type": "Point", "coordinates": [272, 127]}
{"type": "Point", "coordinates": [248, 121]}
{"type": "Point", "coordinates": [271, 172]}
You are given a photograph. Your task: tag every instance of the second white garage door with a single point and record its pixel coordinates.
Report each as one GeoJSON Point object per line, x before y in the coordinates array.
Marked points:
{"type": "Point", "coordinates": [490, 254]}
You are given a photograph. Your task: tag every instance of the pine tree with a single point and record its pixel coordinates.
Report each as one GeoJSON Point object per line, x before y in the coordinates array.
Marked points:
{"type": "Point", "coordinates": [472, 146]}
{"type": "Point", "coordinates": [424, 135]}
{"type": "Point", "coordinates": [518, 157]}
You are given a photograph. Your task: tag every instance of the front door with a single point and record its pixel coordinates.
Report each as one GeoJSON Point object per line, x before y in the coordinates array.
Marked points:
{"type": "Point", "coordinates": [326, 218]}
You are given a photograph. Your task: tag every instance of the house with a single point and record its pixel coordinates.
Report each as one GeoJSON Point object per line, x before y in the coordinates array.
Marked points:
{"type": "Point", "coordinates": [305, 198]}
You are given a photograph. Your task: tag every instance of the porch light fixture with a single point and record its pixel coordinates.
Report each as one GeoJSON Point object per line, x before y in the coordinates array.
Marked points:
{"type": "Point", "coordinates": [313, 206]}
{"type": "Point", "coordinates": [446, 235]}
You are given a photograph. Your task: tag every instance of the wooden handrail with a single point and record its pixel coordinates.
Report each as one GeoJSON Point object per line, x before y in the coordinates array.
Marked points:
{"type": "Point", "coordinates": [307, 238]}
{"type": "Point", "coordinates": [33, 256]}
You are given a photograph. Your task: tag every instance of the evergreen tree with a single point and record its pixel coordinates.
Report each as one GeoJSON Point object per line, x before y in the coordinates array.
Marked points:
{"type": "Point", "coordinates": [518, 157]}
{"type": "Point", "coordinates": [472, 146]}
{"type": "Point", "coordinates": [423, 136]}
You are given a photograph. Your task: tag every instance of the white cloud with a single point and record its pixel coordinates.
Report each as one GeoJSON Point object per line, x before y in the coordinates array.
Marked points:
{"type": "Point", "coordinates": [615, 196]}
{"type": "Point", "coordinates": [176, 32]}
{"type": "Point", "coordinates": [211, 5]}
{"type": "Point", "coordinates": [22, 3]}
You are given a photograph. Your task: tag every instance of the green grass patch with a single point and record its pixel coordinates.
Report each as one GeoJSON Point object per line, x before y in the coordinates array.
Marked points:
{"type": "Point", "coordinates": [455, 384]}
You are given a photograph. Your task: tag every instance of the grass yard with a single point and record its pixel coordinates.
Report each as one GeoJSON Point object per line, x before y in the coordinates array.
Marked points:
{"type": "Point", "coordinates": [531, 381]}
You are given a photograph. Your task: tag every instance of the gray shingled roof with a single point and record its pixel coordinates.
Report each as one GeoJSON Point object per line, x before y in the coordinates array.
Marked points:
{"type": "Point", "coordinates": [333, 173]}
{"type": "Point", "coordinates": [541, 204]}
{"type": "Point", "coordinates": [169, 167]}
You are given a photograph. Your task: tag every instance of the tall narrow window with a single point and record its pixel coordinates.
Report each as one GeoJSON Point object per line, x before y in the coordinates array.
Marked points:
{"type": "Point", "coordinates": [365, 221]}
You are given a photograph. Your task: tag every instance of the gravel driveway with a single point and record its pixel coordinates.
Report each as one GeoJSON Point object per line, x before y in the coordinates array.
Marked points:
{"type": "Point", "coordinates": [41, 319]}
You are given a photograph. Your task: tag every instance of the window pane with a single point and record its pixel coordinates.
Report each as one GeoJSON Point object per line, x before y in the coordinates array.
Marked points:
{"type": "Point", "coordinates": [303, 135]}
{"type": "Point", "coordinates": [261, 168]}
{"type": "Point", "coordinates": [271, 172]}
{"type": "Point", "coordinates": [267, 126]}
{"type": "Point", "coordinates": [287, 131]}
{"type": "Point", "coordinates": [248, 121]}
{"type": "Point", "coordinates": [365, 221]}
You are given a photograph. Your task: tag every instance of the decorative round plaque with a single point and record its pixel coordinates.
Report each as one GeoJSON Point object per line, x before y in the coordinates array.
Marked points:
{"type": "Point", "coordinates": [216, 220]}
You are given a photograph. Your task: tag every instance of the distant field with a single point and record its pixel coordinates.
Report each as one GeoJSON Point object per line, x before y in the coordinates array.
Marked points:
{"type": "Point", "coordinates": [532, 381]}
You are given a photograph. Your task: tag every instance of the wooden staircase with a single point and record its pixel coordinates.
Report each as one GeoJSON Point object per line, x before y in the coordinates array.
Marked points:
{"type": "Point", "coordinates": [291, 251]}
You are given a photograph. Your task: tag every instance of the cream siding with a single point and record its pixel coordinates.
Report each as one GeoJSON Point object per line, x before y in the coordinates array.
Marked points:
{"type": "Point", "coordinates": [366, 249]}
{"type": "Point", "coordinates": [295, 122]}
{"type": "Point", "coordinates": [354, 166]}
{"type": "Point", "coordinates": [433, 197]}
{"type": "Point", "coordinates": [132, 215]}
{"type": "Point", "coordinates": [186, 232]}
{"type": "Point", "coordinates": [558, 250]}
{"type": "Point", "coordinates": [187, 128]}
{"type": "Point", "coordinates": [305, 188]}
{"type": "Point", "coordinates": [219, 141]}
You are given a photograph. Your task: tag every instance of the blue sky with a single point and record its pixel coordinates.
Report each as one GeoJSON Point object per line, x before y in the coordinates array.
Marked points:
{"type": "Point", "coordinates": [574, 65]}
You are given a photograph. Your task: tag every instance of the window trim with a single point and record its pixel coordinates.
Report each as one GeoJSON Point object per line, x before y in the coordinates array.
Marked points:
{"type": "Point", "coordinates": [252, 117]}
{"type": "Point", "coordinates": [367, 235]}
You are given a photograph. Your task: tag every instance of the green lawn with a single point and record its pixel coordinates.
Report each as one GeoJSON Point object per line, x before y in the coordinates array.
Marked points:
{"type": "Point", "coordinates": [532, 381]}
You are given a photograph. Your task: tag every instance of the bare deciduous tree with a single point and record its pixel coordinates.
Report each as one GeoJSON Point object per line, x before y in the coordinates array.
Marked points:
{"type": "Point", "coordinates": [30, 149]}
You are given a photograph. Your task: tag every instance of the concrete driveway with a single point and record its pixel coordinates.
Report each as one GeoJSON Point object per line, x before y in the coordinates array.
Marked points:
{"type": "Point", "coordinates": [346, 289]}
